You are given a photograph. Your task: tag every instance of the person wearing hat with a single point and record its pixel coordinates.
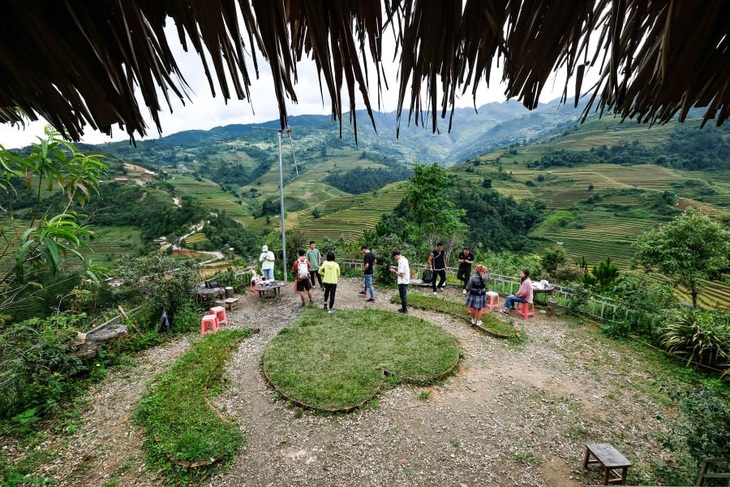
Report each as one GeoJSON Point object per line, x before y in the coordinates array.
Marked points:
{"type": "Point", "coordinates": [476, 299]}
{"type": "Point", "coordinates": [403, 272]}
{"type": "Point", "coordinates": [267, 263]}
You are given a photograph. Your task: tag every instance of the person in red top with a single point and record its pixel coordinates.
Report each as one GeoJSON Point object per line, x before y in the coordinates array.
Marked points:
{"type": "Point", "coordinates": [523, 295]}
{"type": "Point", "coordinates": [301, 269]}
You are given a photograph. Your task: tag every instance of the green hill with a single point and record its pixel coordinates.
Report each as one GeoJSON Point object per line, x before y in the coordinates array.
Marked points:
{"type": "Point", "coordinates": [605, 181]}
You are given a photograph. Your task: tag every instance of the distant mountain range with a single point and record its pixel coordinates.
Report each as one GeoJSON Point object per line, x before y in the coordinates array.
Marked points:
{"type": "Point", "coordinates": [473, 133]}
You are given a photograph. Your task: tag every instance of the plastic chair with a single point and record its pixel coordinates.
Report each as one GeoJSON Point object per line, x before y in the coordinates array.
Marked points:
{"type": "Point", "coordinates": [252, 288]}
{"type": "Point", "coordinates": [528, 309]}
{"type": "Point", "coordinates": [208, 324]}
{"type": "Point", "coordinates": [220, 314]}
{"type": "Point", "coordinates": [493, 300]}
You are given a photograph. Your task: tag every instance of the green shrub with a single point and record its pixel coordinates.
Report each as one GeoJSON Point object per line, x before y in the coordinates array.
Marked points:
{"type": "Point", "coordinates": [703, 431]}
{"type": "Point", "coordinates": [698, 336]}
{"type": "Point", "coordinates": [35, 352]}
{"type": "Point", "coordinates": [709, 415]}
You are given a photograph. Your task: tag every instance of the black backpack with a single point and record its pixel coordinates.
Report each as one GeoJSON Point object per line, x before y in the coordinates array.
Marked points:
{"type": "Point", "coordinates": [427, 275]}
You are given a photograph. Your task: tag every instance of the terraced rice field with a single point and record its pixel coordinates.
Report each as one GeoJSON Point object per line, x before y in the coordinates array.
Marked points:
{"type": "Point", "coordinates": [209, 194]}
{"type": "Point", "coordinates": [196, 238]}
{"type": "Point", "coordinates": [562, 198]}
{"type": "Point", "coordinates": [714, 295]}
{"type": "Point", "coordinates": [601, 237]}
{"type": "Point", "coordinates": [112, 243]}
{"type": "Point", "coordinates": [593, 251]}
{"type": "Point", "coordinates": [349, 216]}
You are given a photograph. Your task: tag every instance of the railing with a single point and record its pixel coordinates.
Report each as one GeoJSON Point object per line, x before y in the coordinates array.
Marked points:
{"type": "Point", "coordinates": [600, 307]}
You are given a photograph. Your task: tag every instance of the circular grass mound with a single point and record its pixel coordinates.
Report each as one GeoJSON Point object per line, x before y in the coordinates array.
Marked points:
{"type": "Point", "coordinates": [339, 361]}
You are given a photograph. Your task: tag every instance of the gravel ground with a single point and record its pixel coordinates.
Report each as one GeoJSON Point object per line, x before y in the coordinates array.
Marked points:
{"type": "Point", "coordinates": [512, 415]}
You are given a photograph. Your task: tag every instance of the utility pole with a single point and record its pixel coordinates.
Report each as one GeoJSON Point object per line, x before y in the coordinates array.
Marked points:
{"type": "Point", "coordinates": [281, 204]}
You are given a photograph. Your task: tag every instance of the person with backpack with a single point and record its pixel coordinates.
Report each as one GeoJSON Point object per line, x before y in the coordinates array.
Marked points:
{"type": "Point", "coordinates": [476, 299]}
{"type": "Point", "coordinates": [437, 266]}
{"type": "Point", "coordinates": [315, 260]}
{"type": "Point", "coordinates": [302, 282]}
{"type": "Point", "coordinates": [331, 272]}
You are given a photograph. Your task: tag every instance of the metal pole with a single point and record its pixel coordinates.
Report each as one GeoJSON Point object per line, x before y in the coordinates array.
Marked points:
{"type": "Point", "coordinates": [281, 209]}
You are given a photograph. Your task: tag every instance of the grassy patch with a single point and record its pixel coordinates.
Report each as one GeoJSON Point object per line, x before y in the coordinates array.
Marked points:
{"type": "Point", "coordinates": [26, 471]}
{"type": "Point", "coordinates": [182, 429]}
{"type": "Point", "coordinates": [338, 362]}
{"type": "Point", "coordinates": [491, 324]}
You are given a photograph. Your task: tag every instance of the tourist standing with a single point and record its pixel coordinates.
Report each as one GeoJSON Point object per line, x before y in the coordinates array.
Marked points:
{"type": "Point", "coordinates": [437, 265]}
{"type": "Point", "coordinates": [523, 294]}
{"type": "Point", "coordinates": [476, 300]}
{"type": "Point", "coordinates": [315, 260]}
{"type": "Point", "coordinates": [368, 268]}
{"type": "Point", "coordinates": [466, 259]}
{"type": "Point", "coordinates": [331, 272]}
{"type": "Point", "coordinates": [267, 263]}
{"type": "Point", "coordinates": [301, 270]}
{"type": "Point", "coordinates": [403, 271]}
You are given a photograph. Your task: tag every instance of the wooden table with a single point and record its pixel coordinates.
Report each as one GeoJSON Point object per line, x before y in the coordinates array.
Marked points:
{"type": "Point", "coordinates": [269, 289]}
{"type": "Point", "coordinates": [207, 295]}
{"type": "Point", "coordinates": [545, 292]}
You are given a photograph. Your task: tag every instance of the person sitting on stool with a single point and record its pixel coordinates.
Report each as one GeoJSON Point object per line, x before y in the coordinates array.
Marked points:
{"type": "Point", "coordinates": [523, 295]}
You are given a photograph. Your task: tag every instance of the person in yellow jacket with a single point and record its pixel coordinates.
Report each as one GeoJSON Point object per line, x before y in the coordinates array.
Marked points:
{"type": "Point", "coordinates": [331, 272]}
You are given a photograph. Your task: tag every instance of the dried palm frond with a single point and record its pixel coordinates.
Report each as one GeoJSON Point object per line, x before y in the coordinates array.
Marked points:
{"type": "Point", "coordinates": [81, 63]}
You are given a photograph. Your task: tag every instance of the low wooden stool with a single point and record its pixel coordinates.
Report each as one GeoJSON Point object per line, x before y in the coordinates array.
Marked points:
{"type": "Point", "coordinates": [615, 465]}
{"type": "Point", "coordinates": [231, 303]}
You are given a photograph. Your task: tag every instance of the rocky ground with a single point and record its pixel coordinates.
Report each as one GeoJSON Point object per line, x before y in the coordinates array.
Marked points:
{"type": "Point", "coordinates": [515, 414]}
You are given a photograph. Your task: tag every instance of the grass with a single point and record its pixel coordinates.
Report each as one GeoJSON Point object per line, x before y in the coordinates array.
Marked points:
{"type": "Point", "coordinates": [491, 324]}
{"type": "Point", "coordinates": [182, 429]}
{"type": "Point", "coordinates": [339, 361]}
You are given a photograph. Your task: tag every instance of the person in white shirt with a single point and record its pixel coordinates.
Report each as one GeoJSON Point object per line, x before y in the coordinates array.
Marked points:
{"type": "Point", "coordinates": [403, 271]}
{"type": "Point", "coordinates": [267, 263]}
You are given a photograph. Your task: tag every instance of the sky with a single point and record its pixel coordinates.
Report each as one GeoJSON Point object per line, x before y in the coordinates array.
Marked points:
{"type": "Point", "coordinates": [206, 112]}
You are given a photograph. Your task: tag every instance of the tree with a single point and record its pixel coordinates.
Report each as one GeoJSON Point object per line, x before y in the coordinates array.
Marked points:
{"type": "Point", "coordinates": [48, 239]}
{"type": "Point", "coordinates": [552, 258]}
{"type": "Point", "coordinates": [432, 213]}
{"type": "Point", "coordinates": [605, 273]}
{"type": "Point", "coordinates": [687, 250]}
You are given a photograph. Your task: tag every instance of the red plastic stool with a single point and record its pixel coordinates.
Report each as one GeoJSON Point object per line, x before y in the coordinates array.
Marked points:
{"type": "Point", "coordinates": [493, 300]}
{"type": "Point", "coordinates": [252, 286]}
{"type": "Point", "coordinates": [528, 309]}
{"type": "Point", "coordinates": [220, 314]}
{"type": "Point", "coordinates": [209, 324]}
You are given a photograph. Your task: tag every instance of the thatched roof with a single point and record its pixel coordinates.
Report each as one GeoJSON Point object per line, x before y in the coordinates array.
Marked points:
{"type": "Point", "coordinates": [79, 63]}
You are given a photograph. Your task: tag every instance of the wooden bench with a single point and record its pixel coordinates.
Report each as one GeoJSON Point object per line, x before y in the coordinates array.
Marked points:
{"type": "Point", "coordinates": [231, 303]}
{"type": "Point", "coordinates": [707, 471]}
{"type": "Point", "coordinates": [615, 465]}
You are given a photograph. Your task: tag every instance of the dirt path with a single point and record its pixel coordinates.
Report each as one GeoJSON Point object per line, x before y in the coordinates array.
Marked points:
{"type": "Point", "coordinates": [513, 415]}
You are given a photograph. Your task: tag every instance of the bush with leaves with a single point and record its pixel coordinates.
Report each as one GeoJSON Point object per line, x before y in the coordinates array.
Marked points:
{"type": "Point", "coordinates": [158, 282]}
{"type": "Point", "coordinates": [646, 298]}
{"type": "Point", "coordinates": [551, 259]}
{"type": "Point", "coordinates": [698, 336]}
{"type": "Point", "coordinates": [702, 432]}
{"type": "Point", "coordinates": [34, 355]}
